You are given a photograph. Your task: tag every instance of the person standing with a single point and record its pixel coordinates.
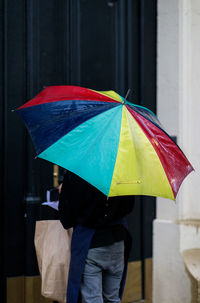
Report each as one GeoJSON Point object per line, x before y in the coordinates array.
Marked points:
{"type": "Point", "coordinates": [100, 242]}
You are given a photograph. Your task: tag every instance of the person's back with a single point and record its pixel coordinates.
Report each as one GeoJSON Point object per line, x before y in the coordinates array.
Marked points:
{"type": "Point", "coordinates": [81, 204]}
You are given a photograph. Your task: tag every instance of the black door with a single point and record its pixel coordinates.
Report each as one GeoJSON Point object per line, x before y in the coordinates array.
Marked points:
{"type": "Point", "coordinates": [99, 44]}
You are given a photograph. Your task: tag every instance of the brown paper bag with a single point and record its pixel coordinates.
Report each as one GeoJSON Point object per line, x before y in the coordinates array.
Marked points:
{"type": "Point", "coordinates": [52, 244]}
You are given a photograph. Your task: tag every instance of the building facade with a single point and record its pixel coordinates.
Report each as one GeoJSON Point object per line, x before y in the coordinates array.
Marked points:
{"type": "Point", "coordinates": [176, 252]}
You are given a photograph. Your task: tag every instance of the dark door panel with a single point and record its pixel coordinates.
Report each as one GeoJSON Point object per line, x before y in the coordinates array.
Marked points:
{"type": "Point", "coordinates": [99, 44]}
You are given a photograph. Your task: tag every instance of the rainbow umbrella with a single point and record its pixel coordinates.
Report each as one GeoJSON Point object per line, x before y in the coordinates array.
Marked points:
{"type": "Point", "coordinates": [117, 146]}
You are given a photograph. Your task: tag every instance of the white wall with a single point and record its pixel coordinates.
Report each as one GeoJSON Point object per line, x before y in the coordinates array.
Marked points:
{"type": "Point", "coordinates": [178, 94]}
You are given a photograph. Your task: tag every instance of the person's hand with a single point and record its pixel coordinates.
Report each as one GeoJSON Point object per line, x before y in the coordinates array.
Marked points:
{"type": "Point", "coordinates": [59, 188]}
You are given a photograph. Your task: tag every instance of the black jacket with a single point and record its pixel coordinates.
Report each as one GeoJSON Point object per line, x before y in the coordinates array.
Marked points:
{"type": "Point", "coordinates": [81, 203]}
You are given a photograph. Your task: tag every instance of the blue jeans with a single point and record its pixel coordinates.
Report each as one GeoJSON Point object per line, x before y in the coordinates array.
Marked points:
{"type": "Point", "coordinates": [102, 274]}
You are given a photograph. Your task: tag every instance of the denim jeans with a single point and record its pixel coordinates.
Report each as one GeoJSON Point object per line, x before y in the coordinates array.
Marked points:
{"type": "Point", "coordinates": [102, 274]}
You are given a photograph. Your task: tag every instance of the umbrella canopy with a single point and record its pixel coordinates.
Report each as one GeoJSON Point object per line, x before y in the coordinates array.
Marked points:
{"type": "Point", "coordinates": [117, 146]}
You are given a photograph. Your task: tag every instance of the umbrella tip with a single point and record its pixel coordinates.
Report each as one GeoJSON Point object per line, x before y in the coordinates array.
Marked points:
{"type": "Point", "coordinates": [128, 92]}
